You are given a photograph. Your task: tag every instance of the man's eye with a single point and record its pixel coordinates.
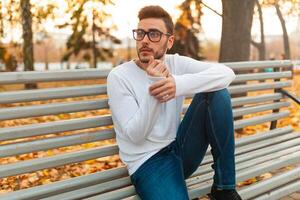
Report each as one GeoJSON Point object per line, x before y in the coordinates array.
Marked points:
{"type": "Point", "coordinates": [140, 33]}
{"type": "Point", "coordinates": [154, 34]}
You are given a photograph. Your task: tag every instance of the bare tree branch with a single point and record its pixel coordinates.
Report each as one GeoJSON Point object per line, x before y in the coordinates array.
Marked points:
{"type": "Point", "coordinates": [255, 44]}
{"type": "Point", "coordinates": [216, 12]}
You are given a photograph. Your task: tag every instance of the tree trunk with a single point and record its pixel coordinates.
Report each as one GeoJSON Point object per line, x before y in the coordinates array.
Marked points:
{"type": "Point", "coordinates": [94, 43]}
{"type": "Point", "coordinates": [236, 33]}
{"type": "Point", "coordinates": [1, 22]}
{"type": "Point", "coordinates": [27, 40]}
{"type": "Point", "coordinates": [262, 46]}
{"type": "Point", "coordinates": [46, 56]}
{"type": "Point", "coordinates": [128, 49]}
{"type": "Point", "coordinates": [236, 30]}
{"type": "Point", "coordinates": [287, 53]}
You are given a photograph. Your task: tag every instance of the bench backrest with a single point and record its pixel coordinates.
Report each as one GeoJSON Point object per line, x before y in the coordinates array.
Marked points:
{"type": "Point", "coordinates": [70, 122]}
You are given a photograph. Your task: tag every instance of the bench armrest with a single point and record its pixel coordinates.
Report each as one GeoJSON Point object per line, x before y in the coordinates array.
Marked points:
{"type": "Point", "coordinates": [290, 95]}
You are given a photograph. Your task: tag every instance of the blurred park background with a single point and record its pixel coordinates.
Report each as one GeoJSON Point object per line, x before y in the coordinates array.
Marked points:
{"type": "Point", "coordinates": [76, 34]}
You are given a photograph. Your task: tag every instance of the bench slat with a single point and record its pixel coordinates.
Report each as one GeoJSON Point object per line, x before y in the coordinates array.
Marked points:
{"type": "Point", "coordinates": [254, 109]}
{"type": "Point", "coordinates": [271, 165]}
{"type": "Point", "coordinates": [92, 190]}
{"type": "Point", "coordinates": [117, 194]}
{"type": "Point", "coordinates": [268, 157]}
{"type": "Point", "coordinates": [260, 119]}
{"type": "Point", "coordinates": [238, 101]}
{"type": "Point", "coordinates": [235, 89]}
{"type": "Point", "coordinates": [281, 180]}
{"type": "Point", "coordinates": [51, 93]}
{"type": "Point", "coordinates": [263, 135]}
{"type": "Point", "coordinates": [267, 142]}
{"type": "Point", "coordinates": [51, 109]}
{"type": "Point", "coordinates": [57, 160]}
{"type": "Point", "coordinates": [266, 185]}
{"type": "Point", "coordinates": [262, 76]}
{"type": "Point", "coordinates": [46, 76]}
{"type": "Point", "coordinates": [42, 191]}
{"type": "Point", "coordinates": [54, 142]}
{"type": "Point", "coordinates": [250, 65]}
{"type": "Point", "coordinates": [259, 86]}
{"type": "Point", "coordinates": [53, 127]}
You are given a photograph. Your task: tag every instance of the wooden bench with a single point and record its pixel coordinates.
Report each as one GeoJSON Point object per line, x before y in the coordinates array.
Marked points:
{"type": "Point", "coordinates": [266, 151]}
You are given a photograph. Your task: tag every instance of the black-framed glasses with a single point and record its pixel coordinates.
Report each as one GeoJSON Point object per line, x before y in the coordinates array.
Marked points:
{"type": "Point", "coordinates": [153, 35]}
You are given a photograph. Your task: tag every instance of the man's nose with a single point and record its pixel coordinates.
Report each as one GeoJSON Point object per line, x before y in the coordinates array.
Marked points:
{"type": "Point", "coordinates": [146, 39]}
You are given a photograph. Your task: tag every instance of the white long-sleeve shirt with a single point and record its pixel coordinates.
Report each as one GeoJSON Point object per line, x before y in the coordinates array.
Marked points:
{"type": "Point", "coordinates": [142, 124]}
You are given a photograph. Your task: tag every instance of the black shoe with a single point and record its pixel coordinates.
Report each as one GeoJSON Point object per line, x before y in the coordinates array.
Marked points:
{"type": "Point", "coordinates": [224, 194]}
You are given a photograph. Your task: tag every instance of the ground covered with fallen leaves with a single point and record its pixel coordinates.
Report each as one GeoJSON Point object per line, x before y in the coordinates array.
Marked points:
{"type": "Point", "coordinates": [72, 170]}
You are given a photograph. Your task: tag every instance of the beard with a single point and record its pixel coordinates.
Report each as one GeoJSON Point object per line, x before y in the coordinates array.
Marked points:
{"type": "Point", "coordinates": [157, 55]}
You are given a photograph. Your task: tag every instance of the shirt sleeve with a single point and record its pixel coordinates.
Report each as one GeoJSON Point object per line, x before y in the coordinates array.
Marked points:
{"type": "Point", "coordinates": [196, 76]}
{"type": "Point", "coordinates": [133, 119]}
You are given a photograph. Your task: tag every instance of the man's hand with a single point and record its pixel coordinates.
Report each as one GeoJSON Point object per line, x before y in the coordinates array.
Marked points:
{"type": "Point", "coordinates": [163, 90]}
{"type": "Point", "coordinates": [157, 68]}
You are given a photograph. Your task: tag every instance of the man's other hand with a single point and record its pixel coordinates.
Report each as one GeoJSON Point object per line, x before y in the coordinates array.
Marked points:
{"type": "Point", "coordinates": [163, 90]}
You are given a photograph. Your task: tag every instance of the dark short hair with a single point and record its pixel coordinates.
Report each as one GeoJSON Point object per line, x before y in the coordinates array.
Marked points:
{"type": "Point", "coordinates": [157, 12]}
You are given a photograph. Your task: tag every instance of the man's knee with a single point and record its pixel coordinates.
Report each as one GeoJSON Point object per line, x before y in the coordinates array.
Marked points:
{"type": "Point", "coordinates": [222, 95]}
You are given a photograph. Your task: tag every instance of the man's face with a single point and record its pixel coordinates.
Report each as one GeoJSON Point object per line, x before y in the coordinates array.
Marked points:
{"type": "Point", "coordinates": [147, 48]}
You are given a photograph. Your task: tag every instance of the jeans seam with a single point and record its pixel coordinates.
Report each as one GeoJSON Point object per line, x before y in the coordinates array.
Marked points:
{"type": "Point", "coordinates": [187, 135]}
{"type": "Point", "coordinates": [212, 128]}
{"type": "Point", "coordinates": [217, 143]}
{"type": "Point", "coordinates": [221, 186]}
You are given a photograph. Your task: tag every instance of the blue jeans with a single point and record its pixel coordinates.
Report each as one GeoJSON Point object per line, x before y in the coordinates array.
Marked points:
{"type": "Point", "coordinates": [208, 120]}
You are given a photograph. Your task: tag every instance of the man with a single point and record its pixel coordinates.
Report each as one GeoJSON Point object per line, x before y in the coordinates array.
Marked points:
{"type": "Point", "coordinates": [146, 97]}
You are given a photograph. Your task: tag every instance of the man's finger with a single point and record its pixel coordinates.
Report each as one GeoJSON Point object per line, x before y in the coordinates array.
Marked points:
{"type": "Point", "coordinates": [164, 94]}
{"type": "Point", "coordinates": [159, 67]}
{"type": "Point", "coordinates": [151, 59]}
{"type": "Point", "coordinates": [167, 98]}
{"type": "Point", "coordinates": [151, 66]}
{"type": "Point", "coordinates": [152, 63]}
{"type": "Point", "coordinates": [159, 90]}
{"type": "Point", "coordinates": [165, 72]}
{"type": "Point", "coordinates": [157, 84]}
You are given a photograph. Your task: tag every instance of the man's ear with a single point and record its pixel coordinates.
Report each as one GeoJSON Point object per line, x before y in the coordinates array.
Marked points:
{"type": "Point", "coordinates": [170, 42]}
